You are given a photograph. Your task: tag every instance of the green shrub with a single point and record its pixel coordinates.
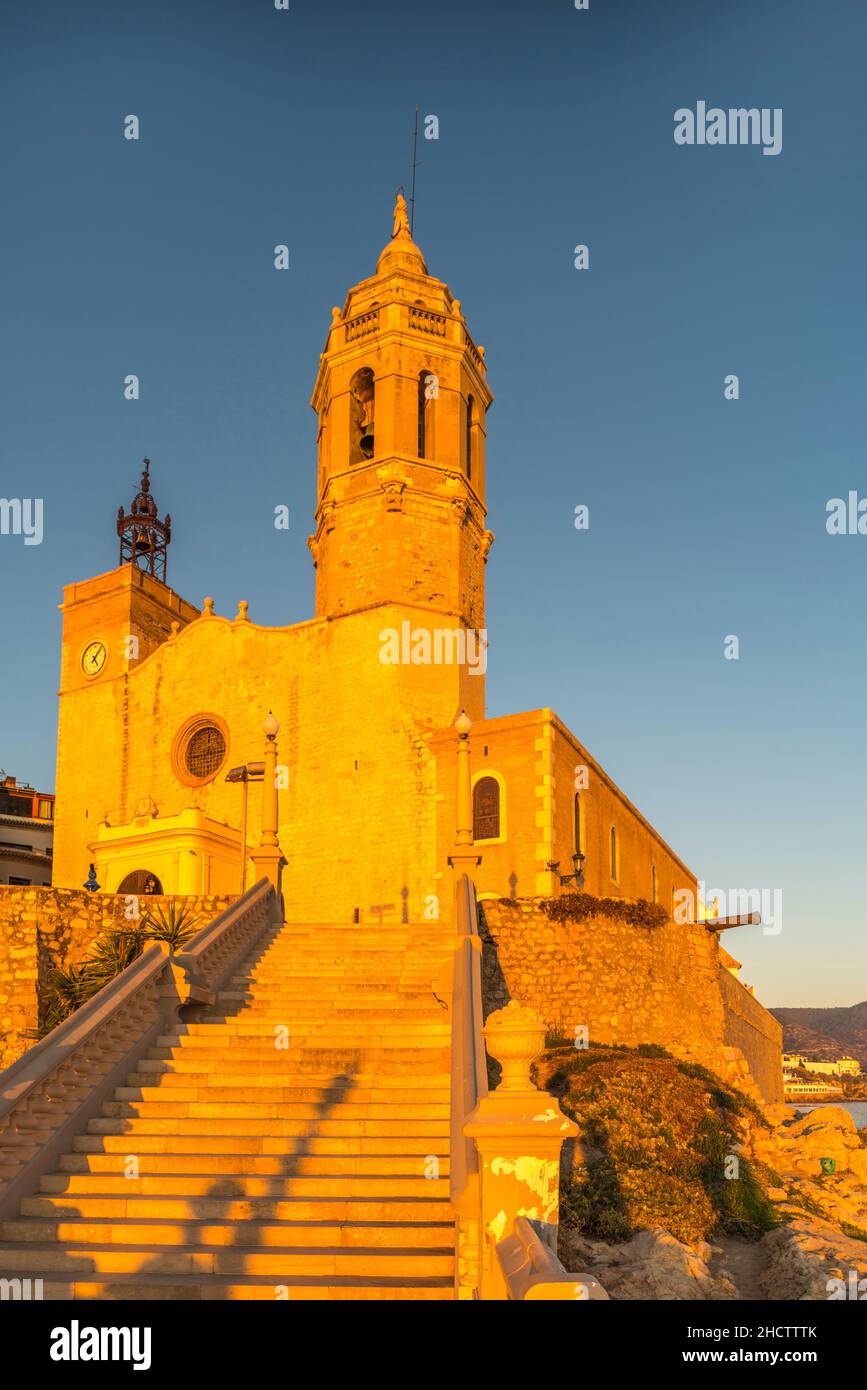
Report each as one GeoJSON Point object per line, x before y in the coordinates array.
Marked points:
{"type": "Point", "coordinates": [656, 1135]}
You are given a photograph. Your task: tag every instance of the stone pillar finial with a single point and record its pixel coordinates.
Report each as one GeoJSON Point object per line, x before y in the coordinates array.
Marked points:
{"type": "Point", "coordinates": [519, 1132]}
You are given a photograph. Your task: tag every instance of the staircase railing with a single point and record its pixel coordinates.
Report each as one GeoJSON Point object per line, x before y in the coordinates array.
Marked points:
{"type": "Point", "coordinates": [505, 1144]}
{"type": "Point", "coordinates": [48, 1095]}
{"type": "Point", "coordinates": [533, 1272]}
{"type": "Point", "coordinates": [469, 1083]}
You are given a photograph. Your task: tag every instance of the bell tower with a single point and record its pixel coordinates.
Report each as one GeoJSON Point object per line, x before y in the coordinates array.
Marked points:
{"type": "Point", "coordinates": [401, 399]}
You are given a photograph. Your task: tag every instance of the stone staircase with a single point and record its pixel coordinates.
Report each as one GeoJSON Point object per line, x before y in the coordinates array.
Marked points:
{"type": "Point", "coordinates": [291, 1143]}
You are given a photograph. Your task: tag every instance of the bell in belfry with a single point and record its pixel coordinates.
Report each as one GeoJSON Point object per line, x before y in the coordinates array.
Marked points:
{"type": "Point", "coordinates": [364, 395]}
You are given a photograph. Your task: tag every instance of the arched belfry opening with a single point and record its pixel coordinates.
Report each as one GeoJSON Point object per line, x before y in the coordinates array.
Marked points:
{"type": "Point", "coordinates": [362, 390]}
{"type": "Point", "coordinates": [428, 391]}
{"type": "Point", "coordinates": [468, 448]}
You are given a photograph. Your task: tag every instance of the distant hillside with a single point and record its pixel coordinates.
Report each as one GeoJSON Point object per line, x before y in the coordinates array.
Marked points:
{"type": "Point", "coordinates": [826, 1034]}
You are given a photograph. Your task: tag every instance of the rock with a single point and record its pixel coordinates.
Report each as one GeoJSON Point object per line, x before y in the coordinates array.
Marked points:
{"type": "Point", "coordinates": [652, 1265]}
{"type": "Point", "coordinates": [809, 1259]}
{"type": "Point", "coordinates": [824, 1117]}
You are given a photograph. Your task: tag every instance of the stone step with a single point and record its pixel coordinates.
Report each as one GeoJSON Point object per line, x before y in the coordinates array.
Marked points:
{"type": "Point", "coordinates": [270, 1086]}
{"type": "Point", "coordinates": [286, 1147]}
{"type": "Point", "coordinates": [345, 1210]}
{"type": "Point", "coordinates": [285, 1234]}
{"type": "Point", "coordinates": [191, 1125]}
{"type": "Point", "coordinates": [398, 1034]}
{"type": "Point", "coordinates": [229, 1071]}
{"type": "Point", "coordinates": [343, 1005]}
{"type": "Point", "coordinates": [333, 986]}
{"type": "Point", "coordinates": [264, 1027]}
{"type": "Point", "coordinates": [397, 955]}
{"type": "Point", "coordinates": [195, 1288]}
{"type": "Point", "coordinates": [160, 1108]}
{"type": "Point", "coordinates": [211, 1185]}
{"type": "Point", "coordinates": [222, 1260]}
{"type": "Point", "coordinates": [234, 1091]}
{"type": "Point", "coordinates": [298, 1019]}
{"type": "Point", "coordinates": [266, 1044]}
{"type": "Point", "coordinates": [246, 1165]}
{"type": "Point", "coordinates": [416, 935]}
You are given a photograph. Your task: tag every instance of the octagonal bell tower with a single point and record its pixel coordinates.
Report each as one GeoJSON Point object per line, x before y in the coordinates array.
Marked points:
{"type": "Point", "coordinates": [401, 399]}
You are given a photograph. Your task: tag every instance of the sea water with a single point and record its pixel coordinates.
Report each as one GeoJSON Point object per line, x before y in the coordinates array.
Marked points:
{"type": "Point", "coordinates": [857, 1108]}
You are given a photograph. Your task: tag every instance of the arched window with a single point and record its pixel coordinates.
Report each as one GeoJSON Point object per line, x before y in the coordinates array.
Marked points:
{"type": "Point", "coordinates": [428, 392]}
{"type": "Point", "coordinates": [470, 413]}
{"type": "Point", "coordinates": [615, 855]}
{"type": "Point", "coordinates": [362, 395]}
{"type": "Point", "coordinates": [578, 825]}
{"type": "Point", "coordinates": [486, 809]}
{"type": "Point", "coordinates": [654, 886]}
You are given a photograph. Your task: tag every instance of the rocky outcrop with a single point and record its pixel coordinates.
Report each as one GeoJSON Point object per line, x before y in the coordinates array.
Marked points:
{"type": "Point", "coordinates": [652, 1265]}
{"type": "Point", "coordinates": [811, 1259]}
{"type": "Point", "coordinates": [818, 1251]}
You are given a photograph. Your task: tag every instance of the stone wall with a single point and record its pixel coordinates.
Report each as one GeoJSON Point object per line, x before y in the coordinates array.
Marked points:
{"type": "Point", "coordinates": [42, 929]}
{"type": "Point", "coordinates": [625, 984]}
{"type": "Point", "coordinates": [756, 1032]}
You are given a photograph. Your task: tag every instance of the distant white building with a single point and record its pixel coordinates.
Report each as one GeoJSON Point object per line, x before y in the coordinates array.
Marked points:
{"type": "Point", "coordinates": [796, 1086]}
{"type": "Point", "coordinates": [844, 1066]}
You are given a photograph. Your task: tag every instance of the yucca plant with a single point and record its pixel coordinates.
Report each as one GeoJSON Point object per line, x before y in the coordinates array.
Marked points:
{"type": "Point", "coordinates": [66, 991]}
{"type": "Point", "coordinates": [175, 924]}
{"type": "Point", "coordinates": [112, 953]}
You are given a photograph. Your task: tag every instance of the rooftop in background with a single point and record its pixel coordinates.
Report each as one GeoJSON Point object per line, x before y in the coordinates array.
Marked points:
{"type": "Point", "coordinates": [24, 800]}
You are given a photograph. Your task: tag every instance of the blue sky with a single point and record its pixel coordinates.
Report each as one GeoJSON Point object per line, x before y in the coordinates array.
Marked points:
{"type": "Point", "coordinates": [556, 128]}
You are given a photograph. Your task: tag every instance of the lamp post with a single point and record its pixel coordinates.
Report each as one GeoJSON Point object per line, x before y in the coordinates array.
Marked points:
{"type": "Point", "coordinates": [249, 772]}
{"type": "Point", "coordinates": [464, 810]}
{"type": "Point", "coordinates": [463, 858]}
{"type": "Point", "coordinates": [268, 858]}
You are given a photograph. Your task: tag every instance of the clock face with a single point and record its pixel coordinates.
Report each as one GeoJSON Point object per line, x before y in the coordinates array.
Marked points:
{"type": "Point", "coordinates": [93, 659]}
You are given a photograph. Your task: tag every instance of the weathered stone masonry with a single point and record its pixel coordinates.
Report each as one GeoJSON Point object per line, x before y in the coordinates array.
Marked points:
{"type": "Point", "coordinates": [627, 984]}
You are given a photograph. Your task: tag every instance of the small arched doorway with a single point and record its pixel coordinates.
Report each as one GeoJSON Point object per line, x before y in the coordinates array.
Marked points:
{"type": "Point", "coordinates": [141, 883]}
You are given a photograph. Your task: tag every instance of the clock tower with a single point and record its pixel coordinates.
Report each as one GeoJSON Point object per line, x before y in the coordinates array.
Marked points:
{"type": "Point", "coordinates": [110, 624]}
{"type": "Point", "coordinates": [114, 621]}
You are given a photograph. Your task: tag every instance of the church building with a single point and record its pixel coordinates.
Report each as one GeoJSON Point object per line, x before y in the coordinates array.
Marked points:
{"type": "Point", "coordinates": [161, 699]}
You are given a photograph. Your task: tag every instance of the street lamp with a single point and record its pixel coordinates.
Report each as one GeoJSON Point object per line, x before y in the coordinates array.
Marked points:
{"type": "Point", "coordinates": [248, 772]}
{"type": "Point", "coordinates": [577, 875]}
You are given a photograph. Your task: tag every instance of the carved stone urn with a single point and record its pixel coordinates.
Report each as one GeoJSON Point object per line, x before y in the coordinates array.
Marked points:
{"type": "Point", "coordinates": [514, 1036]}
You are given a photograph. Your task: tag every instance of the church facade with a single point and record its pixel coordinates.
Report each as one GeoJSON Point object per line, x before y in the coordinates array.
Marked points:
{"type": "Point", "coordinates": [160, 699]}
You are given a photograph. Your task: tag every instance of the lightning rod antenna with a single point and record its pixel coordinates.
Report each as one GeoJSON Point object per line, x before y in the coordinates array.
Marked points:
{"type": "Point", "coordinates": [414, 164]}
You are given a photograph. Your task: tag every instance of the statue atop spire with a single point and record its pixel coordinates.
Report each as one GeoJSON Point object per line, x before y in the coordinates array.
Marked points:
{"type": "Point", "coordinates": [401, 218]}
{"type": "Point", "coordinates": [401, 253]}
